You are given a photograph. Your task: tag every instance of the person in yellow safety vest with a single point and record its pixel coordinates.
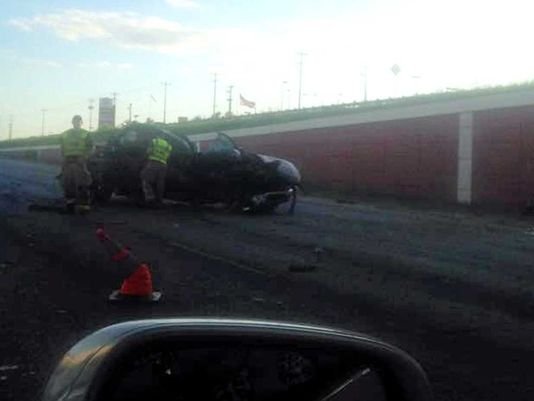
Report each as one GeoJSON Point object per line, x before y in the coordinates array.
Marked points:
{"type": "Point", "coordinates": [76, 146]}
{"type": "Point", "coordinates": [155, 170]}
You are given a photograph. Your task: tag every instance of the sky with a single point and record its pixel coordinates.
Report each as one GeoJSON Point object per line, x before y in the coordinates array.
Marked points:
{"type": "Point", "coordinates": [59, 55]}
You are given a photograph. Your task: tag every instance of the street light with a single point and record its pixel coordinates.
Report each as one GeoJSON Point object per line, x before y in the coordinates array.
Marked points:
{"type": "Point", "coordinates": [165, 84]}
{"type": "Point", "coordinates": [301, 61]}
{"type": "Point", "coordinates": [364, 76]}
{"type": "Point", "coordinates": [91, 108]}
{"type": "Point", "coordinates": [43, 122]}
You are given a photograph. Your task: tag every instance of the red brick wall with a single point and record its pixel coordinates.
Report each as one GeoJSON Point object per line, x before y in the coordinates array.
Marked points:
{"type": "Point", "coordinates": [503, 156]}
{"type": "Point", "coordinates": [411, 157]}
{"type": "Point", "coordinates": [415, 157]}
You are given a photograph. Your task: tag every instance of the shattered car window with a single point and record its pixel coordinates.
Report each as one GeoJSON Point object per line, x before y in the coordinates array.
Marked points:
{"type": "Point", "coordinates": [180, 144]}
{"type": "Point", "coordinates": [222, 145]}
{"type": "Point", "coordinates": [129, 137]}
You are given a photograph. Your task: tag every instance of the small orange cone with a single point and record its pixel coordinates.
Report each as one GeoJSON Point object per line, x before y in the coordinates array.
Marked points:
{"type": "Point", "coordinates": [138, 285]}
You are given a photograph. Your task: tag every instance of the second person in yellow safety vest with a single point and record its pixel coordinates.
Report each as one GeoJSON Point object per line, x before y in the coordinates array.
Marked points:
{"type": "Point", "coordinates": [155, 170]}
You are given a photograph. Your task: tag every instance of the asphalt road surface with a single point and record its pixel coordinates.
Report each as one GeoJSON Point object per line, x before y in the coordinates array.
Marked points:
{"type": "Point", "coordinates": [451, 287]}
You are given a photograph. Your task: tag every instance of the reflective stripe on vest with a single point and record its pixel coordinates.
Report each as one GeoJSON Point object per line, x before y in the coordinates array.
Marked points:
{"type": "Point", "coordinates": [75, 143]}
{"type": "Point", "coordinates": [160, 150]}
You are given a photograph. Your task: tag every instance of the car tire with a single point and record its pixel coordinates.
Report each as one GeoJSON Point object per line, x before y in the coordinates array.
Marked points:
{"type": "Point", "coordinates": [102, 193]}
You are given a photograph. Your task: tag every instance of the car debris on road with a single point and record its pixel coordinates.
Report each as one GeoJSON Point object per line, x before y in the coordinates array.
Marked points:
{"type": "Point", "coordinates": [301, 267]}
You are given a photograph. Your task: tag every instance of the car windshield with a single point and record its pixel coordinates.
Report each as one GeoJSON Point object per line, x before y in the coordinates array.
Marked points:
{"type": "Point", "coordinates": [221, 144]}
{"type": "Point", "coordinates": [364, 165]}
{"type": "Point", "coordinates": [180, 144]}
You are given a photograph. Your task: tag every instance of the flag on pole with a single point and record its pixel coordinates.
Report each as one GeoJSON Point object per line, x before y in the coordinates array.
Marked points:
{"type": "Point", "coordinates": [247, 103]}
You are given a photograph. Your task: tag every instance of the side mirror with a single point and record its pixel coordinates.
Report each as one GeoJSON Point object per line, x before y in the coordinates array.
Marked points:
{"type": "Point", "coordinates": [202, 359]}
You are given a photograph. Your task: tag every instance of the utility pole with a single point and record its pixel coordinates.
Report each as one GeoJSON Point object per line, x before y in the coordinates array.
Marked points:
{"type": "Point", "coordinates": [165, 84]}
{"type": "Point", "coordinates": [151, 99]}
{"type": "Point", "coordinates": [91, 108]}
{"type": "Point", "coordinates": [214, 94]}
{"type": "Point", "coordinates": [282, 93]}
{"type": "Point", "coordinates": [10, 130]}
{"type": "Point", "coordinates": [364, 76]}
{"type": "Point", "coordinates": [114, 107]}
{"type": "Point", "coordinates": [395, 69]}
{"type": "Point", "coordinates": [43, 111]}
{"type": "Point", "coordinates": [230, 89]}
{"type": "Point", "coordinates": [301, 61]}
{"type": "Point", "coordinates": [130, 113]}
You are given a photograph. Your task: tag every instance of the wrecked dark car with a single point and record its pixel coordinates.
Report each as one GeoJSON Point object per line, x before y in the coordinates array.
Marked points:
{"type": "Point", "coordinates": [222, 174]}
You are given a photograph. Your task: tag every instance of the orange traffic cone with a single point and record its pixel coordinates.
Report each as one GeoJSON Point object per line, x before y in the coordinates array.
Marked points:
{"type": "Point", "coordinates": [138, 285]}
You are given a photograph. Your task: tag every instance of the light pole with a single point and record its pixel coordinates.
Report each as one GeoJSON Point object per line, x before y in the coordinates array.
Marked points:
{"type": "Point", "coordinates": [364, 76]}
{"type": "Point", "coordinates": [91, 107]}
{"type": "Point", "coordinates": [282, 93]}
{"type": "Point", "coordinates": [114, 108]}
{"type": "Point", "coordinates": [165, 84]}
{"type": "Point", "coordinates": [10, 131]}
{"type": "Point", "coordinates": [230, 89]}
{"type": "Point", "coordinates": [151, 99]}
{"type": "Point", "coordinates": [395, 69]}
{"type": "Point", "coordinates": [301, 55]}
{"type": "Point", "coordinates": [43, 111]}
{"type": "Point", "coordinates": [214, 94]}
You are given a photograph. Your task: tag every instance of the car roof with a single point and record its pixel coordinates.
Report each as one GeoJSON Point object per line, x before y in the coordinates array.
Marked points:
{"type": "Point", "coordinates": [147, 131]}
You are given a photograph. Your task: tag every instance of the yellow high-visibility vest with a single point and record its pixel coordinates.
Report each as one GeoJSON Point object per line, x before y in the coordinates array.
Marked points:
{"type": "Point", "coordinates": [159, 150]}
{"type": "Point", "coordinates": [75, 143]}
